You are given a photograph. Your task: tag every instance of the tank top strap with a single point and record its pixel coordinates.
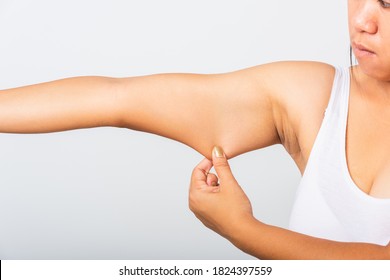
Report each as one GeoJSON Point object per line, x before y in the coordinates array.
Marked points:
{"type": "Point", "coordinates": [339, 98]}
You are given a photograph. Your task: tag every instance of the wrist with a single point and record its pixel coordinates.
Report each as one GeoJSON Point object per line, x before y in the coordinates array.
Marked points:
{"type": "Point", "coordinates": [241, 235]}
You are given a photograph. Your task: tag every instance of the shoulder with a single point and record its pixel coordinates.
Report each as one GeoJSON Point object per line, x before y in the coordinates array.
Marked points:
{"type": "Point", "coordinates": [292, 84]}
{"type": "Point", "coordinates": [302, 85]}
{"type": "Point", "coordinates": [296, 77]}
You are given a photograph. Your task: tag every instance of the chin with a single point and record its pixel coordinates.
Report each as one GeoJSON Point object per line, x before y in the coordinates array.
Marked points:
{"type": "Point", "coordinates": [377, 71]}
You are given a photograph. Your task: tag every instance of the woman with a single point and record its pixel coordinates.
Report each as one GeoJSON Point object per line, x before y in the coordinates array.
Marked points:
{"type": "Point", "coordinates": [277, 103]}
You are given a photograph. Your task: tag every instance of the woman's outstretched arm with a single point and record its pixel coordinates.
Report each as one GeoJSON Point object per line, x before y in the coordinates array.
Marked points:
{"type": "Point", "coordinates": [233, 109]}
{"type": "Point", "coordinates": [241, 111]}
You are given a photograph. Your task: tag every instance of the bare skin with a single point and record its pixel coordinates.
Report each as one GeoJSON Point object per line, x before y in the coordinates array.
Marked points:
{"type": "Point", "coordinates": [369, 27]}
{"type": "Point", "coordinates": [278, 103]}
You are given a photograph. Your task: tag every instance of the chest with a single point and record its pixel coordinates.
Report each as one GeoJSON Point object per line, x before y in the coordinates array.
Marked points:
{"type": "Point", "coordinates": [368, 146]}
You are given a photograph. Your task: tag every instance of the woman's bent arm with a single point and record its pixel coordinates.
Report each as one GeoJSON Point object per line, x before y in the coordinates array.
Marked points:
{"type": "Point", "coordinates": [220, 203]}
{"type": "Point", "coordinates": [269, 242]}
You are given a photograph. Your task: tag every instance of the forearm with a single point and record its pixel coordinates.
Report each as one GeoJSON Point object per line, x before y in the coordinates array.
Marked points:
{"type": "Point", "coordinates": [269, 242]}
{"type": "Point", "coordinates": [66, 104]}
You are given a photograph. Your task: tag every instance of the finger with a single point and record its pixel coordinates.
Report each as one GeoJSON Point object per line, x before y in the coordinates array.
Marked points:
{"type": "Point", "coordinates": [221, 165]}
{"type": "Point", "coordinates": [212, 180]}
{"type": "Point", "coordinates": [201, 171]}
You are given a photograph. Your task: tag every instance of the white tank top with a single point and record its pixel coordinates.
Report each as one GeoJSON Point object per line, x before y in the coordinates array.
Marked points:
{"type": "Point", "coordinates": [328, 203]}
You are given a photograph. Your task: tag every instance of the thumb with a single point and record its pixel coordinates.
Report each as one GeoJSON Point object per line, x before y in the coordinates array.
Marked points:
{"type": "Point", "coordinates": [221, 165]}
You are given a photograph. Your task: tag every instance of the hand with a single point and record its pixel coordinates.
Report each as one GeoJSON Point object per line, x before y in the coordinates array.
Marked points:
{"type": "Point", "coordinates": [222, 207]}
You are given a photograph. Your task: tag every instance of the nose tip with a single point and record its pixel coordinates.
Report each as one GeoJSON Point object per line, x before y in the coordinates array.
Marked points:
{"type": "Point", "coordinates": [367, 26]}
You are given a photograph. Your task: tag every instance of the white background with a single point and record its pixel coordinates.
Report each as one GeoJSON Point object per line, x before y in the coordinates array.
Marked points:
{"type": "Point", "coordinates": [110, 193]}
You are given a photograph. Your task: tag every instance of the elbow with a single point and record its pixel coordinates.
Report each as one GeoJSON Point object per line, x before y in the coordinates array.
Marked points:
{"type": "Point", "coordinates": [387, 251]}
{"type": "Point", "coordinates": [120, 102]}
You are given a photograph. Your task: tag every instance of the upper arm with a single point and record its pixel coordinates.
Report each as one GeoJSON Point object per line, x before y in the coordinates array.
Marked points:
{"type": "Point", "coordinates": [289, 101]}
{"type": "Point", "coordinates": [243, 112]}
{"type": "Point", "coordinates": [239, 111]}
{"type": "Point", "coordinates": [230, 110]}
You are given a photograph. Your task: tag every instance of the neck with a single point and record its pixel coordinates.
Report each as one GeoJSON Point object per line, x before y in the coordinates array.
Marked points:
{"type": "Point", "coordinates": [371, 88]}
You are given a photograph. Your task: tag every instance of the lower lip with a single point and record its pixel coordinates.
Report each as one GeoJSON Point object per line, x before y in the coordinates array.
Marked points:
{"type": "Point", "coordinates": [362, 53]}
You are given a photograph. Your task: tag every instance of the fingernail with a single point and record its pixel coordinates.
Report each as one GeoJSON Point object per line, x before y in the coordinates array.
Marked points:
{"type": "Point", "coordinates": [218, 152]}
